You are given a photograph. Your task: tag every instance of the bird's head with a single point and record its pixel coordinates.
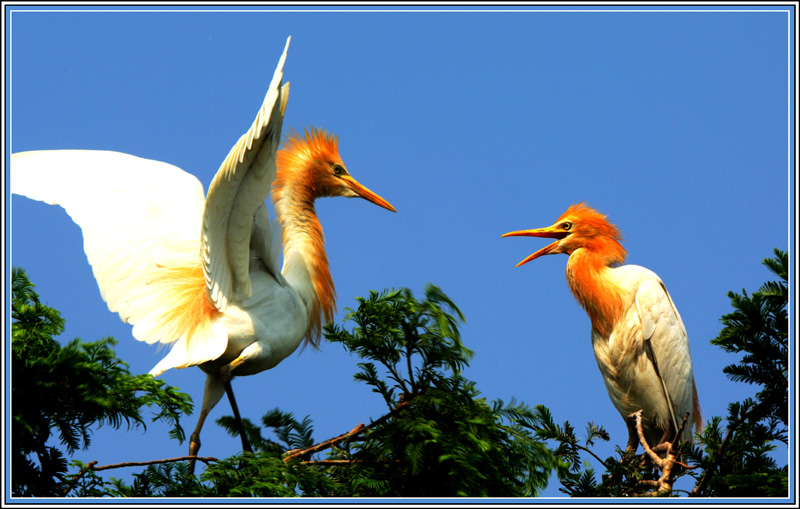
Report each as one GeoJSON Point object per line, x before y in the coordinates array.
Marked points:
{"type": "Point", "coordinates": [579, 227]}
{"type": "Point", "coordinates": [312, 163]}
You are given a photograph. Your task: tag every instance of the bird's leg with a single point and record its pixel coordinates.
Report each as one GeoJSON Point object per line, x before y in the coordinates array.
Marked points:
{"type": "Point", "coordinates": [255, 353]}
{"type": "Point", "coordinates": [633, 436]}
{"type": "Point", "coordinates": [633, 442]}
{"type": "Point", "coordinates": [226, 381]}
{"type": "Point", "coordinates": [211, 395]}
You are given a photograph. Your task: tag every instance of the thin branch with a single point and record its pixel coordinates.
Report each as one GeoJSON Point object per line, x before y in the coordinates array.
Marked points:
{"type": "Point", "coordinates": [91, 466]}
{"type": "Point", "coordinates": [75, 479]}
{"type": "Point", "coordinates": [594, 455]}
{"type": "Point", "coordinates": [323, 445]}
{"type": "Point", "coordinates": [352, 433]}
{"type": "Point", "coordinates": [345, 462]}
{"type": "Point", "coordinates": [205, 460]}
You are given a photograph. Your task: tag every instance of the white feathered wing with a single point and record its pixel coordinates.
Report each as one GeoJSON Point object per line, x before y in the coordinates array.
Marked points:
{"type": "Point", "coordinates": [165, 258]}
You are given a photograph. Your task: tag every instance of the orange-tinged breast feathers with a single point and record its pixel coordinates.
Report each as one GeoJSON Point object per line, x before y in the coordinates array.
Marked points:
{"type": "Point", "coordinates": [598, 242]}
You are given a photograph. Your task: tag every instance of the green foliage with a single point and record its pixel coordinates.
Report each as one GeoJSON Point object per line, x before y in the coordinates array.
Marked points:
{"type": "Point", "coordinates": [759, 327]}
{"type": "Point", "coordinates": [736, 463]}
{"type": "Point", "coordinates": [63, 391]}
{"type": "Point", "coordinates": [621, 478]}
{"type": "Point", "coordinates": [442, 438]}
{"type": "Point", "coordinates": [438, 437]}
{"type": "Point", "coordinates": [414, 341]}
{"type": "Point", "coordinates": [266, 474]}
{"type": "Point", "coordinates": [263, 474]}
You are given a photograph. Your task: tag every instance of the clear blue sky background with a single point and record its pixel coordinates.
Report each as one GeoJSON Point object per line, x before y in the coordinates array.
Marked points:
{"type": "Point", "coordinates": [675, 123]}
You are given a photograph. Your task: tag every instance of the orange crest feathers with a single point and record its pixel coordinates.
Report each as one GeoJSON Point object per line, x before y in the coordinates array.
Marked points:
{"type": "Point", "coordinates": [299, 151]}
{"type": "Point", "coordinates": [599, 233]}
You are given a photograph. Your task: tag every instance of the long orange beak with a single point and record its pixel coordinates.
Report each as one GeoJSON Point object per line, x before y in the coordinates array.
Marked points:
{"type": "Point", "coordinates": [365, 193]}
{"type": "Point", "coordinates": [550, 232]}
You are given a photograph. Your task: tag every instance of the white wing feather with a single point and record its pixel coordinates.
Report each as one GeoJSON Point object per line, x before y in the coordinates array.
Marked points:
{"type": "Point", "coordinates": [238, 190]}
{"type": "Point", "coordinates": [663, 331]}
{"type": "Point", "coordinates": [137, 217]}
{"type": "Point", "coordinates": [142, 219]}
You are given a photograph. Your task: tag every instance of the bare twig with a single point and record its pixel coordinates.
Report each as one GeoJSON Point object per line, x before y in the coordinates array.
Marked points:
{"type": "Point", "coordinates": [91, 466]}
{"type": "Point", "coordinates": [205, 460]}
{"type": "Point", "coordinates": [344, 462]}
{"type": "Point", "coordinates": [352, 433]}
{"type": "Point", "coordinates": [323, 445]}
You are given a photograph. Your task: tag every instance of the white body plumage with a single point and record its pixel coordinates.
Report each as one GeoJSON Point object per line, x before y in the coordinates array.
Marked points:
{"type": "Point", "coordinates": [645, 361]}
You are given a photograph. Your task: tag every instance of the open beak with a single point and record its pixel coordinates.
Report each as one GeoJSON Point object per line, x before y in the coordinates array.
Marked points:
{"type": "Point", "coordinates": [365, 193]}
{"type": "Point", "coordinates": [551, 232]}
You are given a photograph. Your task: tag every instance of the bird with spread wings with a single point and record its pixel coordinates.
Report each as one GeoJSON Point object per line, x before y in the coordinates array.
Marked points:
{"type": "Point", "coordinates": [201, 272]}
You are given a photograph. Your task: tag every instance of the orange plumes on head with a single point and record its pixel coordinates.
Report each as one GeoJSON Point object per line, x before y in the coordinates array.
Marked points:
{"type": "Point", "coordinates": [303, 159]}
{"type": "Point", "coordinates": [593, 231]}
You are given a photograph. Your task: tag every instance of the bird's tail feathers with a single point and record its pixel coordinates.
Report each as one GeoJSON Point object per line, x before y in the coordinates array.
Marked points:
{"type": "Point", "coordinates": [697, 414]}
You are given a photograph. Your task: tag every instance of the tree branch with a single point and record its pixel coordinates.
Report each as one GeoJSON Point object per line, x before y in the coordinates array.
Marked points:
{"type": "Point", "coordinates": [344, 462]}
{"type": "Point", "coordinates": [582, 448]}
{"type": "Point", "coordinates": [352, 433]}
{"type": "Point", "coordinates": [205, 460]}
{"type": "Point", "coordinates": [647, 450]}
{"type": "Point", "coordinates": [91, 466]}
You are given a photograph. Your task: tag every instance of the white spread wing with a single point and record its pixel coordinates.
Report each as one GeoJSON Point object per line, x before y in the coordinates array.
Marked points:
{"type": "Point", "coordinates": [237, 192]}
{"type": "Point", "coordinates": [138, 217]}
{"type": "Point", "coordinates": [664, 333]}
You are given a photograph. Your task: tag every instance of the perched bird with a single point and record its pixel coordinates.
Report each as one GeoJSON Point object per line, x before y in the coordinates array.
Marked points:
{"type": "Point", "coordinates": [202, 272]}
{"type": "Point", "coordinates": [639, 340]}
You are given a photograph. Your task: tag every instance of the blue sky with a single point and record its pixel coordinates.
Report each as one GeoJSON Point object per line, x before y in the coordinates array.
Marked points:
{"type": "Point", "coordinates": [675, 123]}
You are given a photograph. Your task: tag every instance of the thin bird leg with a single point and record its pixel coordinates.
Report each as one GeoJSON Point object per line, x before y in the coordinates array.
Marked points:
{"type": "Point", "coordinates": [229, 391]}
{"type": "Point", "coordinates": [252, 353]}
{"type": "Point", "coordinates": [211, 395]}
{"type": "Point", "coordinates": [633, 435]}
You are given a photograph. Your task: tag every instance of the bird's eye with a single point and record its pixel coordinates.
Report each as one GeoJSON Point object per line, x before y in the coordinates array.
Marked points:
{"type": "Point", "coordinates": [338, 170]}
{"type": "Point", "coordinates": [566, 225]}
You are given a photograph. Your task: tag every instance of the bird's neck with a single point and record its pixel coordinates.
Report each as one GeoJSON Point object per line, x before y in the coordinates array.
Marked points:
{"type": "Point", "coordinates": [590, 277]}
{"type": "Point", "coordinates": [305, 264]}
